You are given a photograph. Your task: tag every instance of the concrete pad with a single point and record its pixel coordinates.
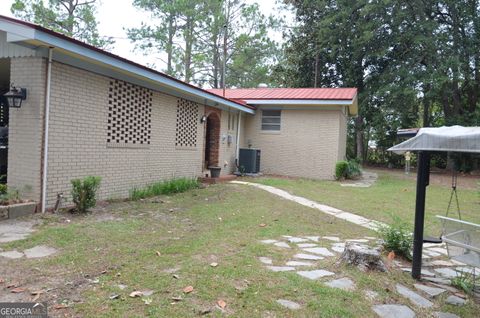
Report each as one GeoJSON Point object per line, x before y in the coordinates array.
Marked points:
{"type": "Point", "coordinates": [432, 292]}
{"type": "Point", "coordinates": [265, 260]}
{"type": "Point", "coordinates": [315, 274]}
{"type": "Point", "coordinates": [393, 311]}
{"type": "Point", "coordinates": [447, 272]}
{"type": "Point", "coordinates": [439, 314]}
{"type": "Point", "coordinates": [12, 254]}
{"type": "Point", "coordinates": [303, 245]}
{"type": "Point", "coordinates": [282, 244]}
{"type": "Point", "coordinates": [342, 283]}
{"type": "Point", "coordinates": [281, 268]}
{"type": "Point", "coordinates": [415, 298]}
{"type": "Point", "coordinates": [14, 230]}
{"type": "Point", "coordinates": [289, 304]}
{"type": "Point", "coordinates": [455, 300]}
{"type": "Point", "coordinates": [332, 238]}
{"type": "Point", "coordinates": [39, 251]}
{"type": "Point", "coordinates": [319, 250]}
{"type": "Point", "coordinates": [308, 257]}
{"type": "Point", "coordinates": [299, 263]}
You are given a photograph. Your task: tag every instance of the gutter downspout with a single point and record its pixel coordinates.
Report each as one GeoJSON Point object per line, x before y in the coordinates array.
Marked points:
{"type": "Point", "coordinates": [45, 135]}
{"type": "Point", "coordinates": [237, 151]}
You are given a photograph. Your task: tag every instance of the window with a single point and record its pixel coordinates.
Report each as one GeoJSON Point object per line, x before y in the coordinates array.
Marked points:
{"type": "Point", "coordinates": [271, 120]}
{"type": "Point", "coordinates": [129, 115]}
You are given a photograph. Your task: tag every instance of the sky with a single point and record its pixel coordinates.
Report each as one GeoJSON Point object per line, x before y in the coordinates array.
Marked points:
{"type": "Point", "coordinates": [116, 15]}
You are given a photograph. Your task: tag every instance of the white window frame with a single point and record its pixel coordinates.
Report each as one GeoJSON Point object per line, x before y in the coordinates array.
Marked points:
{"type": "Point", "coordinates": [271, 125]}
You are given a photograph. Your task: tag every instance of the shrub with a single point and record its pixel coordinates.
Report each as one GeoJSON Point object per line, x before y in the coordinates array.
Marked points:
{"type": "Point", "coordinates": [397, 237]}
{"type": "Point", "coordinates": [3, 189]}
{"type": "Point", "coordinates": [341, 170]}
{"type": "Point", "coordinates": [84, 192]}
{"type": "Point", "coordinates": [164, 187]}
{"type": "Point", "coordinates": [347, 170]}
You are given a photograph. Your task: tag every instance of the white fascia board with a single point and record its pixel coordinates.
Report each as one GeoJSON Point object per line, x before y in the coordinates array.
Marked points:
{"type": "Point", "coordinates": [17, 32]}
{"type": "Point", "coordinates": [298, 102]}
{"type": "Point", "coordinates": [53, 41]}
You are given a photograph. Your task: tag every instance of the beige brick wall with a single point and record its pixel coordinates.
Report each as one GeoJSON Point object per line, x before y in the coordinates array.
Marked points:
{"type": "Point", "coordinates": [227, 150]}
{"type": "Point", "coordinates": [342, 140]}
{"type": "Point", "coordinates": [26, 127]}
{"type": "Point", "coordinates": [307, 145]}
{"type": "Point", "coordinates": [78, 133]}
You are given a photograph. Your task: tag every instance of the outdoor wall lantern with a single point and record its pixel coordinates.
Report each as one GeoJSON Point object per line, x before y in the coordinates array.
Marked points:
{"type": "Point", "coordinates": [203, 119]}
{"type": "Point", "coordinates": [15, 96]}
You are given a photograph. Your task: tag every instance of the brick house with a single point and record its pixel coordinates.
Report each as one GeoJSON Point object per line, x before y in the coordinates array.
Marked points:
{"type": "Point", "coordinates": [89, 112]}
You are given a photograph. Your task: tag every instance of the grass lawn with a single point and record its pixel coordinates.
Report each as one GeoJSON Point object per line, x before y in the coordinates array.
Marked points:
{"type": "Point", "coordinates": [390, 195]}
{"type": "Point", "coordinates": [118, 244]}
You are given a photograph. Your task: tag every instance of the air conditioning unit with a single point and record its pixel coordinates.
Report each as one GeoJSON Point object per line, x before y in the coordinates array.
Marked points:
{"type": "Point", "coordinates": [249, 161]}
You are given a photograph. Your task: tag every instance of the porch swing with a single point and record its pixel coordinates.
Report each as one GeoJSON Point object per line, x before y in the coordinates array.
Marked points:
{"type": "Point", "coordinates": [462, 238]}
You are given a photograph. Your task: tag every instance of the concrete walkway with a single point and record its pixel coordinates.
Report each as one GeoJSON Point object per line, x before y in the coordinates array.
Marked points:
{"type": "Point", "coordinates": [347, 216]}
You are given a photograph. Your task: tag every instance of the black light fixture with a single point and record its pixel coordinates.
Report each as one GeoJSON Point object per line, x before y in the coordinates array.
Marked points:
{"type": "Point", "coordinates": [15, 96]}
{"type": "Point", "coordinates": [203, 119]}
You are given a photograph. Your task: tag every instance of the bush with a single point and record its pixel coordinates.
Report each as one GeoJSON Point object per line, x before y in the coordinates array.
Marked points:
{"type": "Point", "coordinates": [397, 237]}
{"type": "Point", "coordinates": [347, 170]}
{"type": "Point", "coordinates": [164, 187]}
{"type": "Point", "coordinates": [84, 192]}
{"type": "Point", "coordinates": [3, 189]}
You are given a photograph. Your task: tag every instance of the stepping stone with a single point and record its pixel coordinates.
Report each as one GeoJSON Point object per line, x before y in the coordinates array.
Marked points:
{"type": "Point", "coordinates": [298, 263]}
{"type": "Point", "coordinates": [357, 240]}
{"type": "Point", "coordinates": [432, 292]}
{"type": "Point", "coordinates": [415, 298]}
{"type": "Point", "coordinates": [438, 280]}
{"type": "Point", "coordinates": [316, 274]}
{"type": "Point", "coordinates": [332, 238]}
{"type": "Point", "coordinates": [439, 314]}
{"type": "Point", "coordinates": [12, 254]}
{"type": "Point", "coordinates": [424, 272]}
{"type": "Point", "coordinates": [440, 250]}
{"type": "Point", "coordinates": [338, 249]}
{"type": "Point", "coordinates": [439, 263]}
{"type": "Point", "coordinates": [432, 254]}
{"type": "Point", "coordinates": [455, 300]}
{"type": "Point", "coordinates": [342, 283]}
{"type": "Point", "coordinates": [468, 270]}
{"type": "Point", "coordinates": [370, 294]}
{"type": "Point", "coordinates": [289, 304]}
{"type": "Point", "coordinates": [446, 272]}
{"type": "Point", "coordinates": [313, 238]}
{"type": "Point", "coordinates": [309, 257]}
{"type": "Point", "coordinates": [268, 241]}
{"type": "Point", "coordinates": [39, 251]}
{"type": "Point", "coordinates": [426, 245]}
{"type": "Point", "coordinates": [303, 245]}
{"type": "Point", "coordinates": [281, 244]}
{"type": "Point", "coordinates": [297, 240]}
{"type": "Point", "coordinates": [393, 311]}
{"type": "Point", "coordinates": [281, 268]}
{"type": "Point", "coordinates": [319, 250]}
{"type": "Point", "coordinates": [265, 260]}
{"type": "Point", "coordinates": [446, 287]}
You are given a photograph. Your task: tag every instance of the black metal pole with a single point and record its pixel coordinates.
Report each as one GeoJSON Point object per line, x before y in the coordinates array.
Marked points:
{"type": "Point", "coordinates": [423, 173]}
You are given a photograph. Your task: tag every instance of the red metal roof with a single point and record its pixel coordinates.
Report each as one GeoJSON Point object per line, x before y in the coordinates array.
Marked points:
{"type": "Point", "coordinates": [288, 93]}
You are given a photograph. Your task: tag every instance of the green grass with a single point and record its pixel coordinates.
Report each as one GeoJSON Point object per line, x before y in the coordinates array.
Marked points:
{"type": "Point", "coordinates": [390, 196]}
{"type": "Point", "coordinates": [191, 230]}
{"type": "Point", "coordinates": [164, 187]}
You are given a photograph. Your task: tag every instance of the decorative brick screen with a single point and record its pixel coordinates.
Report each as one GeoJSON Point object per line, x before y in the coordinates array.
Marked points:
{"type": "Point", "coordinates": [187, 120]}
{"type": "Point", "coordinates": [129, 115]}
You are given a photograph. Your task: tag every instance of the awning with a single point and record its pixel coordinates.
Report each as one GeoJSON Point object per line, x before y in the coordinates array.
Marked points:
{"type": "Point", "coordinates": [454, 138]}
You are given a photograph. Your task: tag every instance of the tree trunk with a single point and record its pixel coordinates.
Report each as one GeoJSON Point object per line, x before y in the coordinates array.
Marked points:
{"type": "Point", "coordinates": [359, 140]}
{"type": "Point", "coordinates": [188, 49]}
{"type": "Point", "coordinates": [171, 34]}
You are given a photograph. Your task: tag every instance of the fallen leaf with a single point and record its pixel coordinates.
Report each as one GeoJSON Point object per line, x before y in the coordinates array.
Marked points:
{"type": "Point", "coordinates": [188, 289]}
{"type": "Point", "coordinates": [262, 225]}
{"type": "Point", "coordinates": [214, 264]}
{"type": "Point", "coordinates": [158, 253]}
{"type": "Point", "coordinates": [391, 255]}
{"type": "Point", "coordinates": [136, 293]}
{"type": "Point", "coordinates": [18, 290]}
{"type": "Point", "coordinates": [60, 306]}
{"type": "Point", "coordinates": [35, 298]}
{"type": "Point", "coordinates": [221, 303]}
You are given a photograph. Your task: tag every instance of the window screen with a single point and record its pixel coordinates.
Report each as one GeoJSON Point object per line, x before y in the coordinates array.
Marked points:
{"type": "Point", "coordinates": [187, 120]}
{"type": "Point", "coordinates": [271, 119]}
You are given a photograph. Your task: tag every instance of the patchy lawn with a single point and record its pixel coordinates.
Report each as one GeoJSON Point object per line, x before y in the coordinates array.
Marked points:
{"type": "Point", "coordinates": [116, 247]}
{"type": "Point", "coordinates": [392, 194]}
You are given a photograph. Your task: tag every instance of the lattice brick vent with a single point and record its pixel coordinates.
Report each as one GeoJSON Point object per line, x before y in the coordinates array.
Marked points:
{"type": "Point", "coordinates": [129, 115]}
{"type": "Point", "coordinates": [187, 118]}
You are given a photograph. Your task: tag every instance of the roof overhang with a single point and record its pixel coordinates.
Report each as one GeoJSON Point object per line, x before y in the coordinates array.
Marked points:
{"type": "Point", "coordinates": [78, 54]}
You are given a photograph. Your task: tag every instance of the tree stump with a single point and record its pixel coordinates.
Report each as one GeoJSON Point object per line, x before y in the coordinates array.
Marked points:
{"type": "Point", "coordinates": [362, 256]}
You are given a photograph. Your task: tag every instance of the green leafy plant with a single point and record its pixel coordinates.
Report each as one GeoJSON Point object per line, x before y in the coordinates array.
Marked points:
{"type": "Point", "coordinates": [464, 281]}
{"type": "Point", "coordinates": [3, 189]}
{"type": "Point", "coordinates": [84, 192]}
{"type": "Point", "coordinates": [397, 238]}
{"type": "Point", "coordinates": [341, 168]}
{"type": "Point", "coordinates": [347, 170]}
{"type": "Point", "coordinates": [164, 187]}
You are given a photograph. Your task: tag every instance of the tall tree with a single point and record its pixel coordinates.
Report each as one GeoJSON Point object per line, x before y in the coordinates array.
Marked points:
{"type": "Point", "coordinates": [75, 18]}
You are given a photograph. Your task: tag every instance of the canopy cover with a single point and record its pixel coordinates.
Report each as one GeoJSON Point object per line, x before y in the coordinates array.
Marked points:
{"type": "Point", "coordinates": [454, 138]}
